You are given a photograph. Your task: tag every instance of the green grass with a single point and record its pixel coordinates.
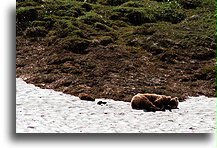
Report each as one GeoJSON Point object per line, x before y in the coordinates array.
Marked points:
{"type": "Point", "coordinates": [122, 20]}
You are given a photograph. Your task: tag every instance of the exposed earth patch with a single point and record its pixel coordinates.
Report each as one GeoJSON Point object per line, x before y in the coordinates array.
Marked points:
{"type": "Point", "coordinates": [116, 50]}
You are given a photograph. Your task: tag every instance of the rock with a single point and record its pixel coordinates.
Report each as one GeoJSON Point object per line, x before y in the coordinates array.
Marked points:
{"type": "Point", "coordinates": [84, 96]}
{"type": "Point", "coordinates": [101, 103]}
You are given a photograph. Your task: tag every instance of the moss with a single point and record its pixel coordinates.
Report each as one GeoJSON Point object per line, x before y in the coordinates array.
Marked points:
{"type": "Point", "coordinates": [36, 32]}
{"type": "Point", "coordinates": [134, 50]}
{"type": "Point", "coordinates": [118, 23]}
{"type": "Point", "coordinates": [75, 44]}
{"type": "Point", "coordinates": [50, 20]}
{"type": "Point", "coordinates": [145, 29]}
{"type": "Point", "coordinates": [64, 28]}
{"type": "Point", "coordinates": [141, 15]}
{"type": "Point", "coordinates": [207, 72]}
{"type": "Point", "coordinates": [132, 4]}
{"type": "Point", "coordinates": [135, 16]}
{"type": "Point", "coordinates": [190, 4]}
{"type": "Point", "coordinates": [42, 23]}
{"type": "Point", "coordinates": [140, 37]}
{"type": "Point", "coordinates": [112, 2]}
{"type": "Point", "coordinates": [24, 17]}
{"type": "Point", "coordinates": [86, 6]}
{"type": "Point", "coordinates": [169, 56]}
{"type": "Point", "coordinates": [38, 23]}
{"type": "Point", "coordinates": [105, 40]}
{"type": "Point", "coordinates": [170, 12]}
{"type": "Point", "coordinates": [26, 3]}
{"type": "Point", "coordinates": [91, 18]}
{"type": "Point", "coordinates": [20, 1]}
{"type": "Point", "coordinates": [73, 11]}
{"type": "Point", "coordinates": [63, 13]}
{"type": "Point", "coordinates": [24, 14]}
{"type": "Point", "coordinates": [102, 26]}
{"type": "Point", "coordinates": [123, 21]}
{"type": "Point", "coordinates": [63, 8]}
{"type": "Point", "coordinates": [90, 1]}
{"type": "Point", "coordinates": [203, 53]}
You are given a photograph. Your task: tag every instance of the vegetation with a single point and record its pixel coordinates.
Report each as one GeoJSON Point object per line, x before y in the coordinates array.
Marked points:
{"type": "Point", "coordinates": [94, 18]}
{"type": "Point", "coordinates": [166, 31]}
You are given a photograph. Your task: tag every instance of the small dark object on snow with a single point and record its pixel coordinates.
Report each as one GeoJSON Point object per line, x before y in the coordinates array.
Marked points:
{"type": "Point", "coordinates": [86, 97]}
{"type": "Point", "coordinates": [101, 103]}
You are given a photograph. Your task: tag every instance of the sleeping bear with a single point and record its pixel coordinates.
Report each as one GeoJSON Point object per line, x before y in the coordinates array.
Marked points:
{"type": "Point", "coordinates": [154, 102]}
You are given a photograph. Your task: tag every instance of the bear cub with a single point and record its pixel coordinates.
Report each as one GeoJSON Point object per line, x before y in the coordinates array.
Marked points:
{"type": "Point", "coordinates": [154, 102]}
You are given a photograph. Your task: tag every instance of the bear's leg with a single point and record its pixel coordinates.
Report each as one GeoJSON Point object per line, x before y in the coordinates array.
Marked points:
{"type": "Point", "coordinates": [149, 106]}
{"type": "Point", "coordinates": [168, 107]}
{"type": "Point", "coordinates": [135, 102]}
{"type": "Point", "coordinates": [159, 104]}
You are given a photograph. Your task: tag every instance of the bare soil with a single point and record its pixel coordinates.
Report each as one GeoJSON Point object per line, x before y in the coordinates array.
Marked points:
{"type": "Point", "coordinates": [109, 72]}
{"type": "Point", "coordinates": [116, 49]}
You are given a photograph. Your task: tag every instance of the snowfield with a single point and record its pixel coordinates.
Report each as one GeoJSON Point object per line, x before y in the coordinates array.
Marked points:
{"type": "Point", "coordinates": [47, 111]}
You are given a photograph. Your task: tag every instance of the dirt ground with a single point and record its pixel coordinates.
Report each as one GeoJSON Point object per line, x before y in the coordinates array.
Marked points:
{"type": "Point", "coordinates": [116, 49]}
{"type": "Point", "coordinates": [109, 72]}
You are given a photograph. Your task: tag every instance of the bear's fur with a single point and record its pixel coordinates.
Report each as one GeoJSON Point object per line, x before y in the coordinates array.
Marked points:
{"type": "Point", "coordinates": [142, 102]}
{"type": "Point", "coordinates": [154, 102]}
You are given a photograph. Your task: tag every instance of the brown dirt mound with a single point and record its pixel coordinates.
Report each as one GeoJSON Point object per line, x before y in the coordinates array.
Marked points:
{"type": "Point", "coordinates": [109, 72]}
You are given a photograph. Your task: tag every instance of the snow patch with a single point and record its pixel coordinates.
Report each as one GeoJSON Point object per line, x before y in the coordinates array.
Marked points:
{"type": "Point", "coordinates": [47, 111]}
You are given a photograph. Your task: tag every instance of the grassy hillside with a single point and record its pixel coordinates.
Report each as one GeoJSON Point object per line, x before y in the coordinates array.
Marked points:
{"type": "Point", "coordinates": [117, 48]}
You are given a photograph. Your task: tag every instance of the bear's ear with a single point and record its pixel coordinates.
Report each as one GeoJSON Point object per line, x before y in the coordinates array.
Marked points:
{"type": "Point", "coordinates": [175, 99]}
{"type": "Point", "coordinates": [168, 98]}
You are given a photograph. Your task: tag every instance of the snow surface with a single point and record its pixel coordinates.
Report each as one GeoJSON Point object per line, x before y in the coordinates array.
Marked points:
{"type": "Point", "coordinates": [47, 111]}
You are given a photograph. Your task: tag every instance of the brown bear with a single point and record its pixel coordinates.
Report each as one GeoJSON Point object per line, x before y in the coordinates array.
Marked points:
{"type": "Point", "coordinates": [140, 101]}
{"type": "Point", "coordinates": [84, 96]}
{"type": "Point", "coordinates": [153, 102]}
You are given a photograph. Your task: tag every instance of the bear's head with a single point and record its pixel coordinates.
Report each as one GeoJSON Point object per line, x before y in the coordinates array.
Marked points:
{"type": "Point", "coordinates": [174, 103]}
{"type": "Point", "coordinates": [168, 102]}
{"type": "Point", "coordinates": [163, 101]}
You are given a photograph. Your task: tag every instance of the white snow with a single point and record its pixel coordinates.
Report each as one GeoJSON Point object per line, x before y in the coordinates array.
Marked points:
{"type": "Point", "coordinates": [47, 111]}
